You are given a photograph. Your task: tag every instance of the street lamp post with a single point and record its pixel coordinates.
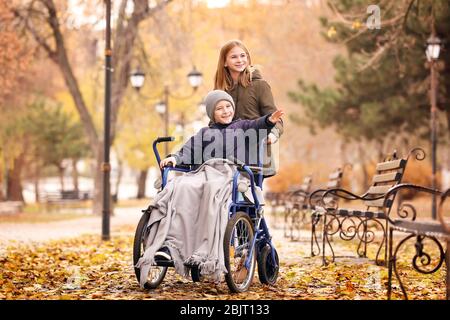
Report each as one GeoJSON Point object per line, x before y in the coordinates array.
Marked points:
{"type": "Point", "coordinates": [432, 53]}
{"type": "Point", "coordinates": [195, 78]}
{"type": "Point", "coordinates": [106, 168]}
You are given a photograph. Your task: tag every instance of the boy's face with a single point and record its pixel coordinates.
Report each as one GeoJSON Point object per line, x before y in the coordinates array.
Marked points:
{"type": "Point", "coordinates": [224, 112]}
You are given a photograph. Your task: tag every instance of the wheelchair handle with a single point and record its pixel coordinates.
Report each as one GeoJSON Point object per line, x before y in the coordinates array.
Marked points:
{"type": "Point", "coordinates": [155, 149]}
{"type": "Point", "coordinates": [164, 139]}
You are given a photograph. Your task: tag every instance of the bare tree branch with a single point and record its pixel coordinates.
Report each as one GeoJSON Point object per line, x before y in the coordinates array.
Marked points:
{"type": "Point", "coordinates": [61, 58]}
{"type": "Point", "coordinates": [126, 34]}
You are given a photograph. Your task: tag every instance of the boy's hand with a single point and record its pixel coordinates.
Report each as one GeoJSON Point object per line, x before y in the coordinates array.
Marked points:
{"type": "Point", "coordinates": [276, 116]}
{"type": "Point", "coordinates": [168, 161]}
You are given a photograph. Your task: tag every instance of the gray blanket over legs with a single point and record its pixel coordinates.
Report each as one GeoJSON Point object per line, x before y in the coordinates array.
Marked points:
{"type": "Point", "coordinates": [190, 216]}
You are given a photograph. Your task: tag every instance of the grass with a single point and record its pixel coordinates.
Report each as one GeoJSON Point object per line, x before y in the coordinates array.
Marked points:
{"type": "Point", "coordinates": [42, 213]}
{"type": "Point", "coordinates": [40, 217]}
{"type": "Point", "coordinates": [125, 203]}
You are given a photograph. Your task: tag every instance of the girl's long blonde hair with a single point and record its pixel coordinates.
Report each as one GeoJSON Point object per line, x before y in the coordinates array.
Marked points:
{"type": "Point", "coordinates": [222, 79]}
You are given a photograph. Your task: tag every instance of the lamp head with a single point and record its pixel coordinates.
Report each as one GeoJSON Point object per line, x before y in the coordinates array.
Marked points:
{"type": "Point", "coordinates": [433, 48]}
{"type": "Point", "coordinates": [137, 79]}
{"type": "Point", "coordinates": [195, 78]}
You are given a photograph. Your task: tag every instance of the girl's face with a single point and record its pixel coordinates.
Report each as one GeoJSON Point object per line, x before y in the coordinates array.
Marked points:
{"type": "Point", "coordinates": [224, 112]}
{"type": "Point", "coordinates": [236, 60]}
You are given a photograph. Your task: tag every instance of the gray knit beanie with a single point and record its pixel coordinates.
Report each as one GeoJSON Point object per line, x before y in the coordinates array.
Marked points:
{"type": "Point", "coordinates": [211, 100]}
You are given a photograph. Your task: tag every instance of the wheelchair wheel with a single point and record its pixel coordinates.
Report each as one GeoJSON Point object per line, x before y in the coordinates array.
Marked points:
{"type": "Point", "coordinates": [195, 274]}
{"type": "Point", "coordinates": [238, 240]}
{"type": "Point", "coordinates": [267, 271]}
{"type": "Point", "coordinates": [156, 274]}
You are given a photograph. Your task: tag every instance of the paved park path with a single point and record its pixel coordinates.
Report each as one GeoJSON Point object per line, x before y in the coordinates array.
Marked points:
{"type": "Point", "coordinates": [38, 232]}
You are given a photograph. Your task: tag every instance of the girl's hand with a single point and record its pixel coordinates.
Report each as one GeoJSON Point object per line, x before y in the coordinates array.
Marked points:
{"type": "Point", "coordinates": [271, 138]}
{"type": "Point", "coordinates": [168, 161]}
{"type": "Point", "coordinates": [276, 116]}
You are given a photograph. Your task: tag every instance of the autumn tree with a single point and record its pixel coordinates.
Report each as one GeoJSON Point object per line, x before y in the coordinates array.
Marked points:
{"type": "Point", "coordinates": [383, 81]}
{"type": "Point", "coordinates": [55, 137]}
{"type": "Point", "coordinates": [46, 21]}
{"type": "Point", "coordinates": [15, 57]}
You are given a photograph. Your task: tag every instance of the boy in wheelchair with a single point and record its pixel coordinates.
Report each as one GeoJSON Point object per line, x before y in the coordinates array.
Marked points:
{"type": "Point", "coordinates": [189, 216]}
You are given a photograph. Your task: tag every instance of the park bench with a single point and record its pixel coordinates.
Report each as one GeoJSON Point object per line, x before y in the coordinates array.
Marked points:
{"type": "Point", "coordinates": [11, 207]}
{"type": "Point", "coordinates": [362, 224]}
{"type": "Point", "coordinates": [273, 198]}
{"type": "Point", "coordinates": [277, 202]}
{"type": "Point", "coordinates": [295, 205]}
{"type": "Point", "coordinates": [60, 198]}
{"type": "Point", "coordinates": [431, 245]}
{"type": "Point", "coordinates": [317, 211]}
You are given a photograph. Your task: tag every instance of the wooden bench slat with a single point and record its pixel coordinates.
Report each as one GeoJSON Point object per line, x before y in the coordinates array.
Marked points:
{"type": "Point", "coordinates": [391, 165]}
{"type": "Point", "coordinates": [377, 203]}
{"type": "Point", "coordinates": [386, 177]}
{"type": "Point", "coordinates": [379, 189]}
{"type": "Point", "coordinates": [305, 186]}
{"type": "Point", "coordinates": [335, 175]}
{"type": "Point", "coordinates": [307, 179]}
{"type": "Point", "coordinates": [333, 184]}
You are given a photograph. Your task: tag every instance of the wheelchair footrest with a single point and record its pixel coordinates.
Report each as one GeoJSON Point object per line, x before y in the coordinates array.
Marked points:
{"type": "Point", "coordinates": [164, 263]}
{"type": "Point", "coordinates": [191, 265]}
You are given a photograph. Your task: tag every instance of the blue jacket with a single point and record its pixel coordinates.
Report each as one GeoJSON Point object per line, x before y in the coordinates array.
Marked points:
{"type": "Point", "coordinates": [239, 139]}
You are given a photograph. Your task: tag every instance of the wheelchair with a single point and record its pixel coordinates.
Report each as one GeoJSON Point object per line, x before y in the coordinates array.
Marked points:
{"type": "Point", "coordinates": [247, 240]}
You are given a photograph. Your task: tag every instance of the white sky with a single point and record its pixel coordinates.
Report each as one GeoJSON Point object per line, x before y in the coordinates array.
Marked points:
{"type": "Point", "coordinates": [217, 3]}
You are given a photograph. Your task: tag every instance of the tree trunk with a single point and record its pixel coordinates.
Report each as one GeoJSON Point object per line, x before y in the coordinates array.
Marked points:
{"type": "Point", "coordinates": [380, 150]}
{"type": "Point", "coordinates": [36, 182]}
{"type": "Point", "coordinates": [2, 196]}
{"type": "Point", "coordinates": [447, 113]}
{"type": "Point", "coordinates": [365, 178]}
{"type": "Point", "coordinates": [343, 152]}
{"type": "Point", "coordinates": [2, 192]}
{"type": "Point", "coordinates": [61, 177]}
{"type": "Point", "coordinates": [75, 175]}
{"type": "Point", "coordinates": [15, 180]}
{"type": "Point", "coordinates": [141, 184]}
{"type": "Point", "coordinates": [119, 179]}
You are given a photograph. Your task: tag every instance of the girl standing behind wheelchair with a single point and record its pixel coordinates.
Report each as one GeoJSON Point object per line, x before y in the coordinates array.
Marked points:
{"type": "Point", "coordinates": [252, 95]}
{"type": "Point", "coordinates": [189, 216]}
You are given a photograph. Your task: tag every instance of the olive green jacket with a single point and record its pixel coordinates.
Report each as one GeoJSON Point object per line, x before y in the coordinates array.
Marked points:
{"type": "Point", "coordinates": [255, 101]}
{"type": "Point", "coordinates": [252, 102]}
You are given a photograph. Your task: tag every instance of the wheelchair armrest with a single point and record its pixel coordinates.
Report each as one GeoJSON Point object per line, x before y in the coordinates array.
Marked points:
{"type": "Point", "coordinates": [184, 166]}
{"type": "Point", "coordinates": [253, 169]}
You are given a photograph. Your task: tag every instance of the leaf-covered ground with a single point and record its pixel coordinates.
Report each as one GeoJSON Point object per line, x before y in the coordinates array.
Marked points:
{"type": "Point", "coordinates": [87, 268]}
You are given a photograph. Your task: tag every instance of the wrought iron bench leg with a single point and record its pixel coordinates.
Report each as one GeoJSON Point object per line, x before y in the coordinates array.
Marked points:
{"type": "Point", "coordinates": [387, 245]}
{"type": "Point", "coordinates": [326, 239]}
{"type": "Point", "coordinates": [391, 264]}
{"type": "Point", "coordinates": [286, 219]}
{"type": "Point", "coordinates": [324, 262]}
{"type": "Point", "coordinates": [447, 263]}
{"type": "Point", "coordinates": [365, 239]}
{"type": "Point", "coordinates": [315, 220]}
